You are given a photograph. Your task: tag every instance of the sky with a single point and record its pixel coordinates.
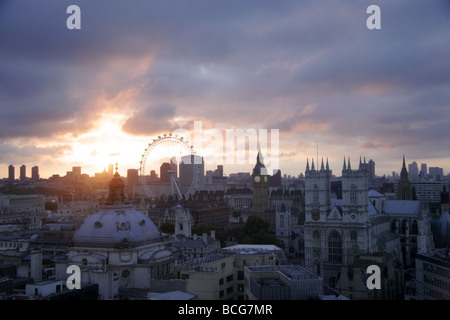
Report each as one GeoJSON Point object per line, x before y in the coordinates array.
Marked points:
{"type": "Point", "coordinates": [310, 69]}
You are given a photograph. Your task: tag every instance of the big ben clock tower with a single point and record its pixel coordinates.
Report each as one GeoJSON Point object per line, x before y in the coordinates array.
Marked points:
{"type": "Point", "coordinates": [260, 181]}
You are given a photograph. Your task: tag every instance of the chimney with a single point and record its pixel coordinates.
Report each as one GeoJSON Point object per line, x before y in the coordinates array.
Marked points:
{"type": "Point", "coordinates": [213, 234]}
{"type": "Point", "coordinates": [205, 238]}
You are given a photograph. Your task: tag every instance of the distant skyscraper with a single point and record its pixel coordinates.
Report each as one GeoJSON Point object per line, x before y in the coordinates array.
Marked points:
{"type": "Point", "coordinates": [371, 170]}
{"type": "Point", "coordinates": [153, 175]}
{"type": "Point", "coordinates": [437, 172]}
{"type": "Point", "coordinates": [110, 169]}
{"type": "Point", "coordinates": [11, 173]}
{"type": "Point", "coordinates": [189, 165]}
{"type": "Point", "coordinates": [164, 172]}
{"type": "Point", "coordinates": [76, 171]}
{"type": "Point", "coordinates": [132, 180]}
{"type": "Point", "coordinates": [413, 170]}
{"type": "Point", "coordinates": [23, 173]}
{"type": "Point", "coordinates": [423, 170]}
{"type": "Point", "coordinates": [35, 173]}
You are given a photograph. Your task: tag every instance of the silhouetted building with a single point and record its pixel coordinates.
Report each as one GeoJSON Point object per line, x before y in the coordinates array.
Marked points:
{"type": "Point", "coordinates": [23, 173]}
{"type": "Point", "coordinates": [404, 190]}
{"type": "Point", "coordinates": [35, 173]}
{"type": "Point", "coordinates": [132, 180]}
{"type": "Point", "coordinates": [11, 173]}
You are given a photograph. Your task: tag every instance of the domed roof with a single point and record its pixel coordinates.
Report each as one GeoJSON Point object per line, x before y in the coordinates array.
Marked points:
{"type": "Point", "coordinates": [116, 227]}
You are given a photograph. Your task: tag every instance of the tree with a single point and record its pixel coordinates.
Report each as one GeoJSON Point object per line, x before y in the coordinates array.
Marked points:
{"type": "Point", "coordinates": [167, 227]}
{"type": "Point", "coordinates": [256, 231]}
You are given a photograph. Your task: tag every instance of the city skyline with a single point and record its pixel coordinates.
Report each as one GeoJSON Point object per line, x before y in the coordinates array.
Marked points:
{"type": "Point", "coordinates": [311, 69]}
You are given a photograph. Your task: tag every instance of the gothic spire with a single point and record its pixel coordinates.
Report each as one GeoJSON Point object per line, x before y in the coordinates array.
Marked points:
{"type": "Point", "coordinates": [327, 167]}
{"type": "Point", "coordinates": [321, 167]}
{"type": "Point", "coordinates": [307, 165]}
{"type": "Point", "coordinates": [344, 167]}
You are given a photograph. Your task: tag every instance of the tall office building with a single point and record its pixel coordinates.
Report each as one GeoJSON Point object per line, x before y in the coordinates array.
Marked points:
{"type": "Point", "coordinates": [371, 170]}
{"type": "Point", "coordinates": [413, 170]}
{"type": "Point", "coordinates": [423, 170]}
{"type": "Point", "coordinates": [436, 172]}
{"type": "Point", "coordinates": [192, 171]}
{"type": "Point", "coordinates": [132, 180]}
{"type": "Point", "coordinates": [164, 172]}
{"type": "Point", "coordinates": [110, 170]}
{"type": "Point", "coordinates": [35, 173]}
{"type": "Point", "coordinates": [23, 173]}
{"type": "Point", "coordinates": [11, 173]}
{"type": "Point", "coordinates": [76, 171]}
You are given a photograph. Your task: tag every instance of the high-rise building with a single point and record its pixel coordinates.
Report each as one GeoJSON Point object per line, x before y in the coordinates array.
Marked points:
{"type": "Point", "coordinates": [23, 173]}
{"type": "Point", "coordinates": [413, 170]}
{"type": "Point", "coordinates": [132, 180]}
{"type": "Point", "coordinates": [11, 173]}
{"type": "Point", "coordinates": [371, 170]}
{"type": "Point", "coordinates": [436, 172]}
{"type": "Point", "coordinates": [192, 171]}
{"type": "Point", "coordinates": [35, 173]}
{"type": "Point", "coordinates": [423, 170]}
{"type": "Point", "coordinates": [164, 172]}
{"type": "Point", "coordinates": [110, 170]}
{"type": "Point", "coordinates": [76, 171]}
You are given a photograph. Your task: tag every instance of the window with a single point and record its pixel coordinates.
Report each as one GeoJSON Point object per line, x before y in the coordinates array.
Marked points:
{"type": "Point", "coordinates": [353, 235]}
{"type": "Point", "coordinates": [240, 275]}
{"type": "Point", "coordinates": [281, 221]}
{"type": "Point", "coordinates": [352, 194]}
{"type": "Point", "coordinates": [315, 194]}
{"type": "Point", "coordinates": [220, 282]}
{"type": "Point", "coordinates": [335, 247]}
{"type": "Point", "coordinates": [230, 278]}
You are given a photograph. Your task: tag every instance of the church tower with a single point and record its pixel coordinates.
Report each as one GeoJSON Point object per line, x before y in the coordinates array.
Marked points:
{"type": "Point", "coordinates": [260, 180]}
{"type": "Point", "coordinates": [317, 208]}
{"type": "Point", "coordinates": [404, 191]}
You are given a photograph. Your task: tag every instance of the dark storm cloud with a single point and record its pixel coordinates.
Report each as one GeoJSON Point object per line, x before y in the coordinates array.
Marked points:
{"type": "Point", "coordinates": [237, 63]}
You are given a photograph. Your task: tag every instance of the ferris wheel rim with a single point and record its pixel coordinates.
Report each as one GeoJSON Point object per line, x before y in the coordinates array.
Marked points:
{"type": "Point", "coordinates": [152, 145]}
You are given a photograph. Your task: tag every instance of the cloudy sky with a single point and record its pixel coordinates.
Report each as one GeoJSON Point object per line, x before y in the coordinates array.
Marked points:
{"type": "Point", "coordinates": [309, 68]}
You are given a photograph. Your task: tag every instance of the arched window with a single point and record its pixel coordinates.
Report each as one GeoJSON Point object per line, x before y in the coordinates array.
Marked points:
{"type": "Point", "coordinates": [334, 247]}
{"type": "Point", "coordinates": [315, 194]}
{"type": "Point", "coordinates": [352, 194]}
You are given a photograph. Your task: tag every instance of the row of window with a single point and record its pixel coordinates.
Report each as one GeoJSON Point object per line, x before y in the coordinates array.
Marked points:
{"type": "Point", "coordinates": [428, 267]}
{"type": "Point", "coordinates": [444, 285]}
{"type": "Point", "coordinates": [11, 244]}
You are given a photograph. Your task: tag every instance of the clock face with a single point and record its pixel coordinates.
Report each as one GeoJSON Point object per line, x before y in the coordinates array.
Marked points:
{"type": "Point", "coordinates": [353, 217]}
{"type": "Point", "coordinates": [315, 215]}
{"type": "Point", "coordinates": [257, 179]}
